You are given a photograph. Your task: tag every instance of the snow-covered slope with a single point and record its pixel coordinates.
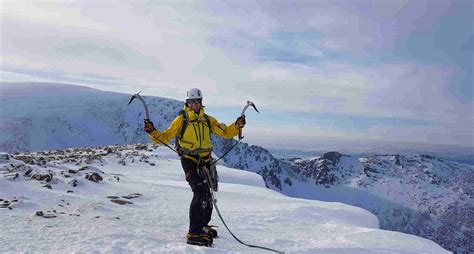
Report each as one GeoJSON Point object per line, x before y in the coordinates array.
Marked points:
{"type": "Point", "coordinates": [40, 116]}
{"type": "Point", "coordinates": [69, 201]}
{"type": "Point", "coordinates": [416, 194]}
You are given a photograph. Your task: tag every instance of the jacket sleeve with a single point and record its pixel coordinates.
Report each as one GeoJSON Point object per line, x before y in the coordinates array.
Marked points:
{"type": "Point", "coordinates": [166, 136]}
{"type": "Point", "coordinates": [223, 130]}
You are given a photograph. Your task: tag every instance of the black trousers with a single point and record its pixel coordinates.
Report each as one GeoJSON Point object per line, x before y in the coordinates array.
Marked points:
{"type": "Point", "coordinates": [200, 210]}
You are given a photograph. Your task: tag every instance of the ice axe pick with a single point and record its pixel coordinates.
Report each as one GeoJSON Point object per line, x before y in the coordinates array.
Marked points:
{"type": "Point", "coordinates": [137, 95]}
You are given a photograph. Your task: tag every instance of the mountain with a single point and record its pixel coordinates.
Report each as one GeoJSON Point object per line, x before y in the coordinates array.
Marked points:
{"type": "Point", "coordinates": [416, 194]}
{"type": "Point", "coordinates": [133, 198]}
{"type": "Point", "coordinates": [403, 191]}
{"type": "Point", "coordinates": [41, 116]}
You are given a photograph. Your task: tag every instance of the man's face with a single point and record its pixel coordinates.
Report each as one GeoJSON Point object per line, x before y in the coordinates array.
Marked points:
{"type": "Point", "coordinates": [194, 104]}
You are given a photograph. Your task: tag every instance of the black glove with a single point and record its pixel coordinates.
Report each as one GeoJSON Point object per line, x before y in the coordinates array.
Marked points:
{"type": "Point", "coordinates": [240, 122]}
{"type": "Point", "coordinates": [149, 127]}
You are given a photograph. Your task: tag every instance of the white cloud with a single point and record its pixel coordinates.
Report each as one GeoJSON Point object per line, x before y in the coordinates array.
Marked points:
{"type": "Point", "coordinates": [163, 48]}
{"type": "Point", "coordinates": [450, 134]}
{"type": "Point", "coordinates": [59, 14]}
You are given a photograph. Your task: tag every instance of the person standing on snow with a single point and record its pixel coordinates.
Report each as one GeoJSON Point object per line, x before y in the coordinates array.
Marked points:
{"type": "Point", "coordinates": [193, 128]}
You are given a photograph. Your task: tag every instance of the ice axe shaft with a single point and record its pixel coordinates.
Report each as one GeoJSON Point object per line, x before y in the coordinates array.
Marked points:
{"type": "Point", "coordinates": [137, 95]}
{"type": "Point", "coordinates": [249, 103]}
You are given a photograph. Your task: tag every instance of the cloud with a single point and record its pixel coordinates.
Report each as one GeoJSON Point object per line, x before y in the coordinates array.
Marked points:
{"type": "Point", "coordinates": [311, 56]}
{"type": "Point", "coordinates": [49, 13]}
{"type": "Point", "coordinates": [450, 134]}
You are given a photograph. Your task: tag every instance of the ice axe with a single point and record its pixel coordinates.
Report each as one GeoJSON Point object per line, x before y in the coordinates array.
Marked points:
{"type": "Point", "coordinates": [147, 119]}
{"type": "Point", "coordinates": [137, 95]}
{"type": "Point", "coordinates": [249, 103]}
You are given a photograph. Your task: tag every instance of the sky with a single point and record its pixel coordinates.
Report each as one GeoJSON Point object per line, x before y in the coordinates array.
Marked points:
{"type": "Point", "coordinates": [318, 71]}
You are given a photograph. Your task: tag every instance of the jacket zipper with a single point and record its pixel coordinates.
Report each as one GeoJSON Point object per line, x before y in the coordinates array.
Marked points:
{"type": "Point", "coordinates": [203, 133]}
{"type": "Point", "coordinates": [195, 133]}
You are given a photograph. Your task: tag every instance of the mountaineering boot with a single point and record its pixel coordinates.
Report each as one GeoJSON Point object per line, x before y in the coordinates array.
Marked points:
{"type": "Point", "coordinates": [210, 231]}
{"type": "Point", "coordinates": [202, 239]}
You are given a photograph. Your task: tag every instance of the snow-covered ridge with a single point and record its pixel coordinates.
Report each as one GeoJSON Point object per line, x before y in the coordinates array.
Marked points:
{"type": "Point", "coordinates": [133, 198]}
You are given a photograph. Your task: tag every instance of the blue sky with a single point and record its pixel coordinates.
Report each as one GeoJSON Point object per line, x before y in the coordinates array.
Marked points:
{"type": "Point", "coordinates": [372, 71]}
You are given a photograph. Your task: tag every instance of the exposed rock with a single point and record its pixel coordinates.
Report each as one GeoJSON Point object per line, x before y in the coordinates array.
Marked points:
{"type": "Point", "coordinates": [11, 176]}
{"type": "Point", "coordinates": [74, 183]}
{"type": "Point", "coordinates": [25, 158]}
{"type": "Point", "coordinates": [48, 186]}
{"type": "Point", "coordinates": [333, 157]}
{"type": "Point", "coordinates": [4, 204]}
{"type": "Point", "coordinates": [94, 177]}
{"type": "Point", "coordinates": [90, 168]}
{"type": "Point", "coordinates": [133, 195]}
{"type": "Point", "coordinates": [48, 214]}
{"type": "Point", "coordinates": [4, 158]}
{"type": "Point", "coordinates": [141, 147]}
{"type": "Point", "coordinates": [43, 177]}
{"type": "Point", "coordinates": [28, 172]}
{"type": "Point", "coordinates": [121, 201]}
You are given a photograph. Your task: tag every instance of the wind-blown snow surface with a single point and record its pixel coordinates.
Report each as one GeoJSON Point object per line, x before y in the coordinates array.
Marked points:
{"type": "Point", "coordinates": [85, 220]}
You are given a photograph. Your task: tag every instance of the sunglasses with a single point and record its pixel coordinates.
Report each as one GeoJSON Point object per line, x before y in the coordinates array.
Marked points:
{"type": "Point", "coordinates": [194, 101]}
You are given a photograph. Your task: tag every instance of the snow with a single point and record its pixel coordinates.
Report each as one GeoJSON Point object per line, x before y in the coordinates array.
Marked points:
{"type": "Point", "coordinates": [157, 221]}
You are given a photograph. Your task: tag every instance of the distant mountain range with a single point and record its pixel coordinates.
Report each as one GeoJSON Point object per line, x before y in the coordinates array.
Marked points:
{"type": "Point", "coordinates": [416, 194]}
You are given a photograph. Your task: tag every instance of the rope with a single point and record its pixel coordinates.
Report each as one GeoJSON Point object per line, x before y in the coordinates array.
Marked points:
{"type": "Point", "coordinates": [208, 180]}
{"type": "Point", "coordinates": [174, 150]}
{"type": "Point", "coordinates": [206, 173]}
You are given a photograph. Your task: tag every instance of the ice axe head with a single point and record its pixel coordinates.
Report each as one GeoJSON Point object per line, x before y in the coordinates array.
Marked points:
{"type": "Point", "coordinates": [137, 95]}
{"type": "Point", "coordinates": [133, 97]}
{"type": "Point", "coordinates": [253, 105]}
{"type": "Point", "coordinates": [249, 103]}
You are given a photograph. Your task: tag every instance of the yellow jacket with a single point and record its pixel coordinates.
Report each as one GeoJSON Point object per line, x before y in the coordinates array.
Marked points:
{"type": "Point", "coordinates": [196, 136]}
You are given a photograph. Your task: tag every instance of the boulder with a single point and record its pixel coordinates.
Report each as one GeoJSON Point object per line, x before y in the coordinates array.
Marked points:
{"type": "Point", "coordinates": [74, 183]}
{"type": "Point", "coordinates": [133, 195]}
{"type": "Point", "coordinates": [121, 201]}
{"type": "Point", "coordinates": [94, 177]}
{"type": "Point", "coordinates": [43, 177]}
{"type": "Point", "coordinates": [141, 147]}
{"type": "Point", "coordinates": [4, 158]}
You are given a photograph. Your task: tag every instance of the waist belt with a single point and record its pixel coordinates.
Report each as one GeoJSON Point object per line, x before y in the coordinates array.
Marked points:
{"type": "Point", "coordinates": [195, 155]}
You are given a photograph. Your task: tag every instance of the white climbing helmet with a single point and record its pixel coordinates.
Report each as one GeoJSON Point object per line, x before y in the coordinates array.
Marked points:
{"type": "Point", "coordinates": [193, 94]}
